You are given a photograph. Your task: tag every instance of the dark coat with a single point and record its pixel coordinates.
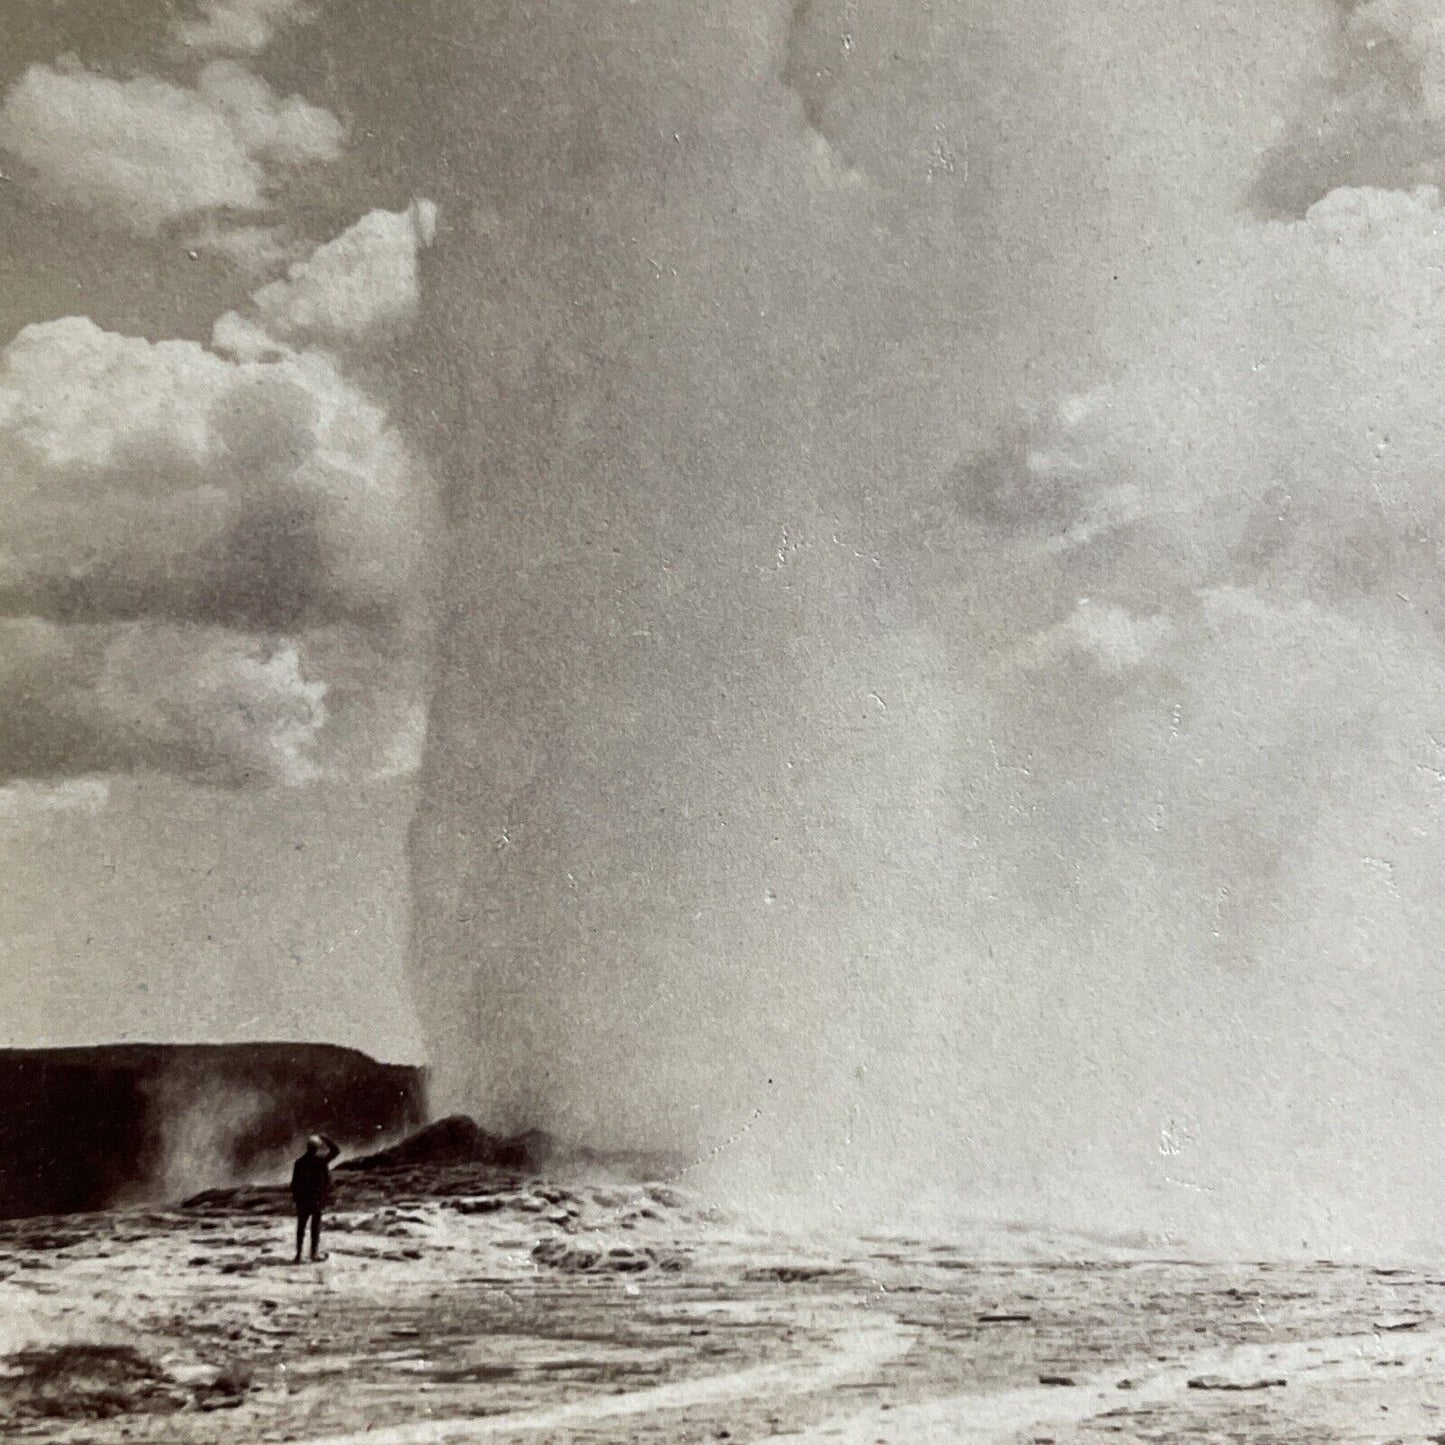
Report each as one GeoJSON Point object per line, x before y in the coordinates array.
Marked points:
{"type": "Point", "coordinates": [310, 1181]}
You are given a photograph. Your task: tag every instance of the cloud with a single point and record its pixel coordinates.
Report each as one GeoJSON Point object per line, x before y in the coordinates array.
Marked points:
{"type": "Point", "coordinates": [236, 708]}
{"type": "Point", "coordinates": [1117, 640]}
{"type": "Point", "coordinates": [1061, 473]}
{"type": "Point", "coordinates": [145, 153]}
{"type": "Point", "coordinates": [238, 27]}
{"type": "Point", "coordinates": [1250, 504]}
{"type": "Point", "coordinates": [1283, 431]}
{"type": "Point", "coordinates": [1378, 119]}
{"type": "Point", "coordinates": [160, 479]}
{"type": "Point", "coordinates": [210, 704]}
{"type": "Point", "coordinates": [212, 564]}
{"type": "Point", "coordinates": [359, 290]}
{"type": "Point", "coordinates": [287, 130]}
{"type": "Point", "coordinates": [207, 704]}
{"type": "Point", "coordinates": [1191, 585]}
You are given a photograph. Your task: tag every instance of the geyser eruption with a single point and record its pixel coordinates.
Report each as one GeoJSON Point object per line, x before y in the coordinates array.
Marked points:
{"type": "Point", "coordinates": [682, 860]}
{"type": "Point", "coordinates": [897, 804]}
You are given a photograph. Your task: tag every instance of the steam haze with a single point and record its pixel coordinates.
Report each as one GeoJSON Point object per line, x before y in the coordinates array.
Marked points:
{"type": "Point", "coordinates": [930, 550]}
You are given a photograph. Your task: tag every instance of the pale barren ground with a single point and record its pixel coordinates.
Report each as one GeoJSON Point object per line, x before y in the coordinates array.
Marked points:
{"type": "Point", "coordinates": [478, 1306]}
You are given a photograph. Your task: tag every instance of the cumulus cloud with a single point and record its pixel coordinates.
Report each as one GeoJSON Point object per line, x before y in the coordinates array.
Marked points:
{"type": "Point", "coordinates": [215, 706]}
{"type": "Point", "coordinates": [359, 290]}
{"type": "Point", "coordinates": [235, 708]}
{"type": "Point", "coordinates": [212, 561]}
{"type": "Point", "coordinates": [144, 153]}
{"type": "Point", "coordinates": [1286, 432]}
{"type": "Point", "coordinates": [160, 479]}
{"type": "Point", "coordinates": [1251, 507]}
{"type": "Point", "coordinates": [238, 27]}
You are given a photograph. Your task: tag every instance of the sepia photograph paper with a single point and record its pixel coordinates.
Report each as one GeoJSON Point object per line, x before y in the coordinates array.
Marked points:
{"type": "Point", "coordinates": [722, 720]}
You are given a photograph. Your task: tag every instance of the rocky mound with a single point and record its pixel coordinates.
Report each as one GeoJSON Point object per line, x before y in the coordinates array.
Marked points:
{"type": "Point", "coordinates": [454, 1169]}
{"type": "Point", "coordinates": [459, 1140]}
{"type": "Point", "coordinates": [454, 1159]}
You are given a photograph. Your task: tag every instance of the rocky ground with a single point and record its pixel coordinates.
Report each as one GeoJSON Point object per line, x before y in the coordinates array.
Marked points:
{"type": "Point", "coordinates": [464, 1303]}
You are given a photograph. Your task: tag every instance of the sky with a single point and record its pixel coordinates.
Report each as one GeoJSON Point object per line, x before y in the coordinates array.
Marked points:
{"type": "Point", "coordinates": [213, 600]}
{"type": "Point", "coordinates": [848, 588]}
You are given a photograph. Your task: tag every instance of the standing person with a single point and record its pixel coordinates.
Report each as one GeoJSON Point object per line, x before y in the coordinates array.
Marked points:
{"type": "Point", "coordinates": [310, 1184]}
